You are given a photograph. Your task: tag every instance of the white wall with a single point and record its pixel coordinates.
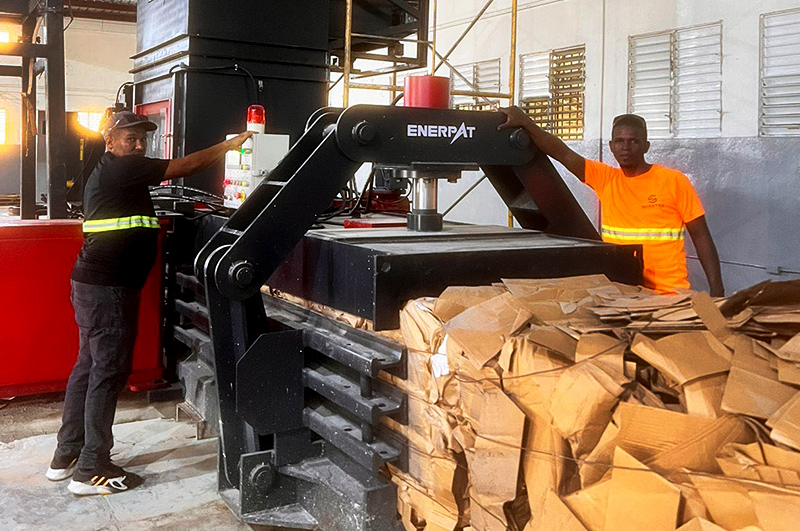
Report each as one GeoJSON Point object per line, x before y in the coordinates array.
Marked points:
{"type": "Point", "coordinates": [604, 26]}
{"type": "Point", "coordinates": [97, 62]}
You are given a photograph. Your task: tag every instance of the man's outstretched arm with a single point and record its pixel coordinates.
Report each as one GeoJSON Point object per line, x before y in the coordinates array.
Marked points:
{"type": "Point", "coordinates": [707, 253]}
{"type": "Point", "coordinates": [550, 145]}
{"type": "Point", "coordinates": [200, 160]}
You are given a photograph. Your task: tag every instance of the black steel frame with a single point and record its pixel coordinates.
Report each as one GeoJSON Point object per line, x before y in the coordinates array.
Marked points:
{"type": "Point", "coordinates": [28, 14]}
{"type": "Point", "coordinates": [297, 391]}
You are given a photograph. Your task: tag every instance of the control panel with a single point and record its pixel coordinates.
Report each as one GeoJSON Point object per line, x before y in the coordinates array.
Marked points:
{"type": "Point", "coordinates": [246, 167]}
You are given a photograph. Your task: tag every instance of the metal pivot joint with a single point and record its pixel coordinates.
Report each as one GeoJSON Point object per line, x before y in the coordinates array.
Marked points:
{"type": "Point", "coordinates": [242, 273]}
{"type": "Point", "coordinates": [364, 133]}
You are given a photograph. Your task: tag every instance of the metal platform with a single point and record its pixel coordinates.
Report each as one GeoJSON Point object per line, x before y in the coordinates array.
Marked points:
{"type": "Point", "coordinates": [372, 273]}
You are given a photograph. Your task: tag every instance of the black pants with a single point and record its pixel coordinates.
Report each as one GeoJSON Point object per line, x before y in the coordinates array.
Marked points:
{"type": "Point", "coordinates": [107, 319]}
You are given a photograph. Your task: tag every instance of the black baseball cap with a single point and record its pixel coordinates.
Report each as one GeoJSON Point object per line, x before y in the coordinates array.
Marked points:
{"type": "Point", "coordinates": [126, 119]}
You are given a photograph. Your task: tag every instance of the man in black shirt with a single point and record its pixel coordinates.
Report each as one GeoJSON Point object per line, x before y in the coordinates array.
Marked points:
{"type": "Point", "coordinates": [120, 242]}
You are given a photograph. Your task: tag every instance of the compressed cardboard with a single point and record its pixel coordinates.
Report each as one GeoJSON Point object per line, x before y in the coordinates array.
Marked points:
{"type": "Point", "coordinates": [415, 505]}
{"type": "Point", "coordinates": [582, 402]}
{"type": "Point", "coordinates": [700, 524]}
{"type": "Point", "coordinates": [543, 470]}
{"type": "Point", "coordinates": [692, 505]}
{"type": "Point", "coordinates": [791, 350]}
{"type": "Point", "coordinates": [753, 387]}
{"type": "Point", "coordinates": [776, 512]}
{"type": "Point", "coordinates": [785, 423]}
{"type": "Point", "coordinates": [482, 330]}
{"type": "Point", "coordinates": [761, 462]}
{"type": "Point", "coordinates": [553, 349]}
{"type": "Point", "coordinates": [727, 501]}
{"type": "Point", "coordinates": [597, 465]}
{"type": "Point", "coordinates": [633, 485]}
{"type": "Point", "coordinates": [594, 345]}
{"type": "Point", "coordinates": [710, 315]}
{"type": "Point", "coordinates": [684, 357]}
{"type": "Point", "coordinates": [788, 372]}
{"type": "Point", "coordinates": [557, 288]}
{"type": "Point", "coordinates": [494, 460]}
{"type": "Point", "coordinates": [766, 293]}
{"type": "Point", "coordinates": [703, 396]}
{"type": "Point", "coordinates": [554, 339]}
{"type": "Point", "coordinates": [456, 299]}
{"type": "Point", "coordinates": [590, 505]}
{"type": "Point", "coordinates": [668, 441]}
{"type": "Point", "coordinates": [558, 516]}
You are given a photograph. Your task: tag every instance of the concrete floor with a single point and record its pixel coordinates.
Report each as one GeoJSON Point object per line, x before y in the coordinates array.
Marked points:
{"type": "Point", "coordinates": [179, 492]}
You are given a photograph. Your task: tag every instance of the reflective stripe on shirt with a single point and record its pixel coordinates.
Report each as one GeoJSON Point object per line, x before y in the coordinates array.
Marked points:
{"type": "Point", "coordinates": [131, 222]}
{"type": "Point", "coordinates": [632, 234]}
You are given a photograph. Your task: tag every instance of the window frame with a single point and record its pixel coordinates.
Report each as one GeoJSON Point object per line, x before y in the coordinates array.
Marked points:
{"type": "Point", "coordinates": [553, 103]}
{"type": "Point", "coordinates": [674, 81]}
{"type": "Point", "coordinates": [761, 77]}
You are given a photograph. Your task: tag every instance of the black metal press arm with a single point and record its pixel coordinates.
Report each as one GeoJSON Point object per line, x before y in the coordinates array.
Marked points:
{"type": "Point", "coordinates": [264, 365]}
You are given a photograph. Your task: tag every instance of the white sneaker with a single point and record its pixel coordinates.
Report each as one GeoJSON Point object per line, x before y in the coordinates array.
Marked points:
{"type": "Point", "coordinates": [58, 471]}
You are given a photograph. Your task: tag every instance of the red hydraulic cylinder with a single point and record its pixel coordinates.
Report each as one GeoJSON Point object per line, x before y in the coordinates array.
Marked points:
{"type": "Point", "coordinates": [431, 92]}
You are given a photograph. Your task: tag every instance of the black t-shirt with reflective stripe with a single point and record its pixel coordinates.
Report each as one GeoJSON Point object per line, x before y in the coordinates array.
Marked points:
{"type": "Point", "coordinates": [116, 202]}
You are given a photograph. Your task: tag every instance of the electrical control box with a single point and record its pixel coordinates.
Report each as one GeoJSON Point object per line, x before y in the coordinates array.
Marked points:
{"type": "Point", "coordinates": [246, 167]}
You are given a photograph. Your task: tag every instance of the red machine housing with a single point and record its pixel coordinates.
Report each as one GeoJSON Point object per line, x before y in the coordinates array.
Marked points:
{"type": "Point", "coordinates": [38, 334]}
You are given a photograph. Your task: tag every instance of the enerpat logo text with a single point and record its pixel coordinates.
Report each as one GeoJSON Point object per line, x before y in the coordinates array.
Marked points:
{"type": "Point", "coordinates": [441, 131]}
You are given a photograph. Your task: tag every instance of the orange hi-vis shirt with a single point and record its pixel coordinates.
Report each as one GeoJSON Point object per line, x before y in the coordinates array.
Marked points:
{"type": "Point", "coordinates": [651, 209]}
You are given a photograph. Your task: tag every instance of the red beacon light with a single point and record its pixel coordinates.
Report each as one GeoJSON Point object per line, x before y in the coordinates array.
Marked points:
{"type": "Point", "coordinates": [431, 92]}
{"type": "Point", "coordinates": [256, 118]}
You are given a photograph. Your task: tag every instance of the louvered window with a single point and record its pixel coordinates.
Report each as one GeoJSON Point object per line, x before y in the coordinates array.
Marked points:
{"type": "Point", "coordinates": [485, 77]}
{"type": "Point", "coordinates": [780, 74]}
{"type": "Point", "coordinates": [675, 81]}
{"type": "Point", "coordinates": [552, 87]}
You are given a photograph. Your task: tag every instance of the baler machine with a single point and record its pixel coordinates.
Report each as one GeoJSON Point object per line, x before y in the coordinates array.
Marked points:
{"type": "Point", "coordinates": [300, 402]}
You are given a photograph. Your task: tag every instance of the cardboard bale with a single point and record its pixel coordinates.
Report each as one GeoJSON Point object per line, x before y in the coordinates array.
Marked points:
{"type": "Point", "coordinates": [790, 351]}
{"type": "Point", "coordinates": [494, 459]}
{"type": "Point", "coordinates": [558, 515]}
{"type": "Point", "coordinates": [776, 511]}
{"type": "Point", "coordinates": [582, 402]}
{"type": "Point", "coordinates": [420, 509]}
{"type": "Point", "coordinates": [667, 441]}
{"type": "Point", "coordinates": [481, 331]}
{"type": "Point", "coordinates": [684, 357]}
{"type": "Point", "coordinates": [590, 505]}
{"type": "Point", "coordinates": [785, 423]}
{"type": "Point", "coordinates": [633, 485]}
{"type": "Point", "coordinates": [700, 524]}
{"type": "Point", "coordinates": [761, 462]}
{"type": "Point", "coordinates": [753, 388]}
{"type": "Point", "coordinates": [456, 299]}
{"type": "Point", "coordinates": [703, 396]}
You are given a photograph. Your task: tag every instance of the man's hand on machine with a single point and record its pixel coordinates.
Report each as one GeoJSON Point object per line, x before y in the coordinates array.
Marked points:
{"type": "Point", "coordinates": [515, 117]}
{"type": "Point", "coordinates": [205, 158]}
{"type": "Point", "coordinates": [237, 141]}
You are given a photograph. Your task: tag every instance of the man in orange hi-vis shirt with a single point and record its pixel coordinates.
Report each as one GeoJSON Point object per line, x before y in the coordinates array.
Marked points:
{"type": "Point", "coordinates": [639, 202]}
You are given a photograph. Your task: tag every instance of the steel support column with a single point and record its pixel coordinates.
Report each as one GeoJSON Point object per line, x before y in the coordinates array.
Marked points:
{"type": "Point", "coordinates": [27, 184]}
{"type": "Point", "coordinates": [55, 89]}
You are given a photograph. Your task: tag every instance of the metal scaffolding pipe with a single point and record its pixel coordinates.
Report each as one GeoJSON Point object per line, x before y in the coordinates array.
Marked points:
{"type": "Point", "coordinates": [464, 34]}
{"type": "Point", "coordinates": [348, 38]}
